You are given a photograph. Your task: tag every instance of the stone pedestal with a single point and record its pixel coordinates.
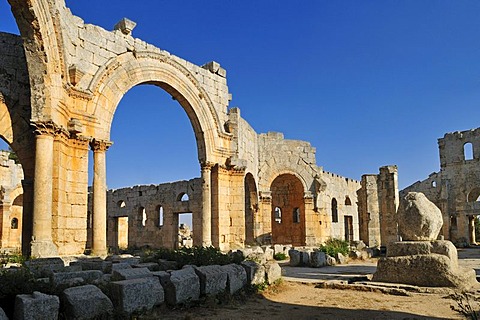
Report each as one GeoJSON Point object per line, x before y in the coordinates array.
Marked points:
{"type": "Point", "coordinates": [424, 263]}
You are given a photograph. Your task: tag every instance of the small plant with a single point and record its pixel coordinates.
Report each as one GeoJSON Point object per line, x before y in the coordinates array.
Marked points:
{"type": "Point", "coordinates": [464, 305]}
{"type": "Point", "coordinates": [333, 246]}
{"type": "Point", "coordinates": [280, 256]}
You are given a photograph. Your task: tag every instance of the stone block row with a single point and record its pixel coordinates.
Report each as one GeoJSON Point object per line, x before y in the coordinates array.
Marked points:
{"type": "Point", "coordinates": [131, 287]}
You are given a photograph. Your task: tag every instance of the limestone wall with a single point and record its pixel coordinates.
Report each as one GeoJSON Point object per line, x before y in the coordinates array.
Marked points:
{"type": "Point", "coordinates": [456, 188]}
{"type": "Point", "coordinates": [141, 204]}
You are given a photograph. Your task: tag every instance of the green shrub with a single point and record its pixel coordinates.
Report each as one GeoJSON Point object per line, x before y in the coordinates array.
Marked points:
{"type": "Point", "coordinates": [13, 282]}
{"type": "Point", "coordinates": [280, 256]}
{"type": "Point", "coordinates": [199, 256]}
{"type": "Point", "coordinates": [333, 246]}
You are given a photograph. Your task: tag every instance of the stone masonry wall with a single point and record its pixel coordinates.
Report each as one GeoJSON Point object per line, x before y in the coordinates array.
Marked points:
{"type": "Point", "coordinates": [148, 230]}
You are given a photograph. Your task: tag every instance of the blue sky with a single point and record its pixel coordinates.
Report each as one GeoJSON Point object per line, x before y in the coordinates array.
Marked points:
{"type": "Point", "coordinates": [368, 83]}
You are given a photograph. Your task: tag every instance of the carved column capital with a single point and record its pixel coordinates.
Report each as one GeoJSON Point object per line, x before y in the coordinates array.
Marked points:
{"type": "Point", "coordinates": [100, 145]}
{"type": "Point", "coordinates": [47, 128]}
{"type": "Point", "coordinates": [206, 165]}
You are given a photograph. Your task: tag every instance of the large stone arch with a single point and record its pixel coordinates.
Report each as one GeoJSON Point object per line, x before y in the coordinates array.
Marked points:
{"type": "Point", "coordinates": [271, 176]}
{"type": "Point", "coordinates": [127, 70]}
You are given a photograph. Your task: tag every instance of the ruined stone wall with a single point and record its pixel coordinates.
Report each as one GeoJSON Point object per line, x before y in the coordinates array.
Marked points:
{"type": "Point", "coordinates": [378, 203]}
{"type": "Point", "coordinates": [456, 188]}
{"type": "Point", "coordinates": [141, 204]}
{"type": "Point", "coordinates": [344, 191]}
{"type": "Point", "coordinates": [11, 197]}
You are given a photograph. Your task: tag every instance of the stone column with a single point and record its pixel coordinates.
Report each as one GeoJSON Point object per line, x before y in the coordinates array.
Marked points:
{"type": "Point", "coordinates": [99, 200]}
{"type": "Point", "coordinates": [206, 204]}
{"type": "Point", "coordinates": [471, 229]}
{"type": "Point", "coordinates": [42, 244]}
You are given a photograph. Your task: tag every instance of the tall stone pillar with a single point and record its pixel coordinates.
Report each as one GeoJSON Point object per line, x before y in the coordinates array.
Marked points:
{"type": "Point", "coordinates": [206, 204]}
{"type": "Point", "coordinates": [42, 244]}
{"type": "Point", "coordinates": [27, 216]}
{"type": "Point", "coordinates": [99, 231]}
{"type": "Point", "coordinates": [471, 229]}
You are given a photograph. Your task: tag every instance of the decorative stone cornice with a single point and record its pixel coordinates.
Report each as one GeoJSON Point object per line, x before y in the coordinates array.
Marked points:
{"type": "Point", "coordinates": [206, 165]}
{"type": "Point", "coordinates": [100, 145]}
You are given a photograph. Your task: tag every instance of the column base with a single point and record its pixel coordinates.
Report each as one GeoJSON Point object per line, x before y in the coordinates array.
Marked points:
{"type": "Point", "coordinates": [43, 249]}
{"type": "Point", "coordinates": [99, 253]}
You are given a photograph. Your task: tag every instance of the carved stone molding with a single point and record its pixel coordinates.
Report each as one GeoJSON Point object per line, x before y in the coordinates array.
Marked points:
{"type": "Point", "coordinates": [100, 145]}
{"type": "Point", "coordinates": [206, 166]}
{"type": "Point", "coordinates": [47, 128]}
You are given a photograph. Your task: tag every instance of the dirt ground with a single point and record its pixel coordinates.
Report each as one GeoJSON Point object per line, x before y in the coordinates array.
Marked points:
{"type": "Point", "coordinates": [295, 300]}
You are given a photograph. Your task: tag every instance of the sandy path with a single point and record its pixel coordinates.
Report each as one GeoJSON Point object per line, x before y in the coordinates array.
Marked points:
{"type": "Point", "coordinates": [304, 301]}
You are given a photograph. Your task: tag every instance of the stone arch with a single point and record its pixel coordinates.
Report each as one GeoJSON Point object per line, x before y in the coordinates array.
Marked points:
{"type": "Point", "coordinates": [273, 175]}
{"type": "Point", "coordinates": [251, 207]}
{"type": "Point", "coordinates": [127, 70]}
{"type": "Point", "coordinates": [474, 195]}
{"type": "Point", "coordinates": [288, 194]}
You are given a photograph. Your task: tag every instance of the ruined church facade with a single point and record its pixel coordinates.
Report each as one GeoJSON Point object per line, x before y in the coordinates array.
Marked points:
{"type": "Point", "coordinates": [60, 83]}
{"type": "Point", "coordinates": [455, 189]}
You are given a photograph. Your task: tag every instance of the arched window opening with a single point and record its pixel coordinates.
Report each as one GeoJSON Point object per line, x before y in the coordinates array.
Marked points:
{"type": "Point", "coordinates": [278, 215]}
{"type": "Point", "coordinates": [14, 223]}
{"type": "Point", "coordinates": [334, 210]}
{"type": "Point", "coordinates": [434, 184]}
{"type": "Point", "coordinates": [183, 197]}
{"type": "Point", "coordinates": [474, 195]}
{"type": "Point", "coordinates": [468, 151]}
{"type": "Point", "coordinates": [296, 215]}
{"type": "Point", "coordinates": [453, 221]}
{"type": "Point", "coordinates": [160, 216]}
{"type": "Point", "coordinates": [142, 216]}
{"type": "Point", "coordinates": [121, 204]}
{"type": "Point", "coordinates": [348, 202]}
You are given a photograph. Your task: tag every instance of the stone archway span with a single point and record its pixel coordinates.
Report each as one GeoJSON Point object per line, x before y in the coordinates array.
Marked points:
{"type": "Point", "coordinates": [272, 176]}
{"type": "Point", "coordinates": [127, 70]}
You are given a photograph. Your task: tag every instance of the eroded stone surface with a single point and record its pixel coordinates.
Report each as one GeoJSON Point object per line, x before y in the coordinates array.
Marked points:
{"type": "Point", "coordinates": [418, 218]}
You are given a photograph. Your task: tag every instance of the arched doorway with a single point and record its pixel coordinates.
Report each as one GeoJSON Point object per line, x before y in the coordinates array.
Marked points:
{"type": "Point", "coordinates": [288, 210]}
{"type": "Point", "coordinates": [251, 207]}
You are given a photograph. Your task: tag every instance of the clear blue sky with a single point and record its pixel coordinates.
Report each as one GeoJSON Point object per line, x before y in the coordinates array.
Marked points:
{"type": "Point", "coordinates": [368, 83]}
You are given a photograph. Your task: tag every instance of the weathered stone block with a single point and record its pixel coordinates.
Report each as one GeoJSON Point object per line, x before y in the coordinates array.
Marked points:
{"type": "Point", "coordinates": [36, 306]}
{"type": "Point", "coordinates": [273, 272]}
{"type": "Point", "coordinates": [304, 258]}
{"type": "Point", "coordinates": [341, 259]}
{"type": "Point", "coordinates": [255, 272]}
{"type": "Point", "coordinates": [88, 276]}
{"type": "Point", "coordinates": [45, 267]}
{"type": "Point", "coordinates": [136, 295]}
{"type": "Point", "coordinates": [165, 265]}
{"type": "Point", "coordinates": [152, 266]}
{"type": "Point", "coordinates": [133, 273]}
{"type": "Point", "coordinates": [318, 259]}
{"type": "Point", "coordinates": [418, 218]}
{"type": "Point", "coordinates": [86, 302]}
{"type": "Point", "coordinates": [268, 251]}
{"type": "Point", "coordinates": [295, 257]}
{"type": "Point", "coordinates": [236, 277]}
{"type": "Point", "coordinates": [120, 266]}
{"type": "Point", "coordinates": [331, 261]}
{"type": "Point", "coordinates": [213, 279]}
{"type": "Point", "coordinates": [182, 286]}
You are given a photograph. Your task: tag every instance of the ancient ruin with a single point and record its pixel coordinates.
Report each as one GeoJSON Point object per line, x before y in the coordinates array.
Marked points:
{"type": "Point", "coordinates": [455, 189]}
{"type": "Point", "coordinates": [60, 84]}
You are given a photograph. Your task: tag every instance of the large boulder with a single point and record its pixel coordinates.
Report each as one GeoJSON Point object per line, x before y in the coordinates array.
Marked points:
{"type": "Point", "coordinates": [419, 219]}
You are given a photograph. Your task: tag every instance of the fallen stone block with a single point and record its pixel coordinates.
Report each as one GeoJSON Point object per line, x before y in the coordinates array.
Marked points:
{"type": "Point", "coordinates": [295, 258]}
{"type": "Point", "coordinates": [120, 266]}
{"type": "Point", "coordinates": [86, 302]}
{"type": "Point", "coordinates": [88, 276]}
{"type": "Point", "coordinates": [152, 266]}
{"type": "Point", "coordinates": [304, 258]}
{"type": "Point", "coordinates": [255, 272]}
{"type": "Point", "coordinates": [36, 306]}
{"type": "Point", "coordinates": [133, 273]}
{"type": "Point", "coordinates": [273, 272]}
{"type": "Point", "coordinates": [236, 277]}
{"type": "Point", "coordinates": [268, 251]}
{"type": "Point", "coordinates": [45, 267]}
{"type": "Point", "coordinates": [181, 286]}
{"type": "Point", "coordinates": [165, 265]}
{"type": "Point", "coordinates": [136, 295]}
{"type": "Point", "coordinates": [318, 259]}
{"type": "Point", "coordinates": [213, 279]}
{"type": "Point", "coordinates": [331, 261]}
{"type": "Point", "coordinates": [93, 264]}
